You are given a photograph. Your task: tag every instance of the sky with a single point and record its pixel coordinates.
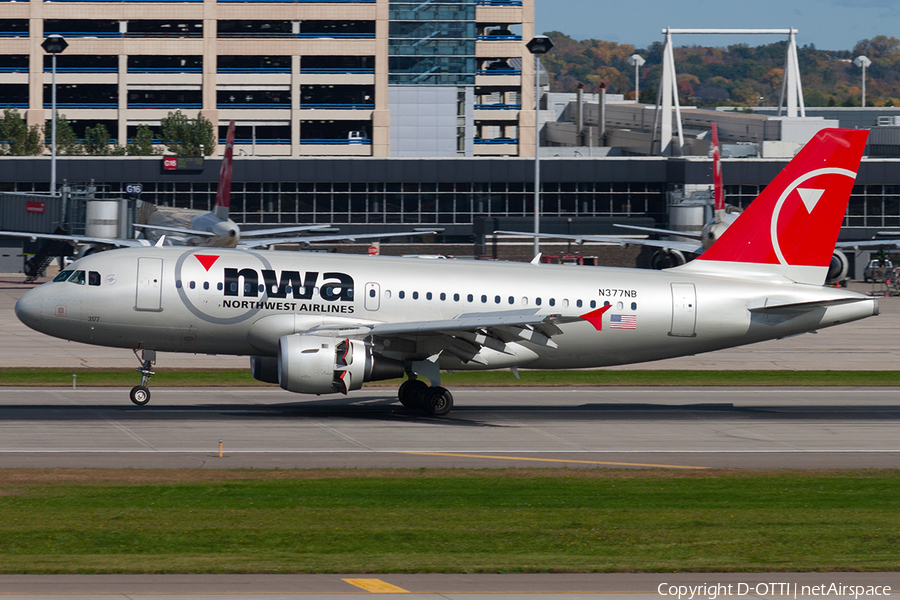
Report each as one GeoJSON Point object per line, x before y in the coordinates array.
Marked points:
{"type": "Point", "coordinates": [828, 24]}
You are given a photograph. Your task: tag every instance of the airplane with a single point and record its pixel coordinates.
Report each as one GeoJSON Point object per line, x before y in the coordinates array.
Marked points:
{"type": "Point", "coordinates": [191, 227]}
{"type": "Point", "coordinates": [327, 323]}
{"type": "Point", "coordinates": [671, 252]}
{"type": "Point", "coordinates": [674, 252]}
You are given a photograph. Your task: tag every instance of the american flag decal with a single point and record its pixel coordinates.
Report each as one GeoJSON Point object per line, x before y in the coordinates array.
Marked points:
{"type": "Point", "coordinates": [623, 321]}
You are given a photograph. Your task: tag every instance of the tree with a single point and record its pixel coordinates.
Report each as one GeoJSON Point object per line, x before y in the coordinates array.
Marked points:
{"type": "Point", "coordinates": [878, 46]}
{"type": "Point", "coordinates": [98, 142]}
{"type": "Point", "coordinates": [186, 137]}
{"type": "Point", "coordinates": [16, 137]}
{"type": "Point", "coordinates": [142, 143]}
{"type": "Point", "coordinates": [66, 140]}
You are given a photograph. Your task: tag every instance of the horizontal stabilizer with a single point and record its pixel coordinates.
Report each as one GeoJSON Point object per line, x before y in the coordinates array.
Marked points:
{"type": "Point", "coordinates": [780, 305]}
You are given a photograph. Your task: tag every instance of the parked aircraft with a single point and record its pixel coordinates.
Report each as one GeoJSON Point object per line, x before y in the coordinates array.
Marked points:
{"type": "Point", "coordinates": [190, 227]}
{"type": "Point", "coordinates": [318, 324]}
{"type": "Point", "coordinates": [674, 252]}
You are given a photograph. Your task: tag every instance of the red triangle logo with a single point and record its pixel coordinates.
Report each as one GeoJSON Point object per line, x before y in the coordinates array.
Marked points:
{"type": "Point", "coordinates": [206, 260]}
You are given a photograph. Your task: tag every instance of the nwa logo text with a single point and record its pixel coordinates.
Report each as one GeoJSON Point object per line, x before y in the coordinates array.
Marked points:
{"type": "Point", "coordinates": [250, 283]}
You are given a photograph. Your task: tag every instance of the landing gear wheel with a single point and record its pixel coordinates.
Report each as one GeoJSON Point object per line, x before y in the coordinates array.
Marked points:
{"type": "Point", "coordinates": [140, 395]}
{"type": "Point", "coordinates": [412, 393]}
{"type": "Point", "coordinates": [438, 401]}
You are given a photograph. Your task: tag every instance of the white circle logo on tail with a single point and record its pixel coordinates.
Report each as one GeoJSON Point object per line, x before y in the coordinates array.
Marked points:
{"type": "Point", "coordinates": [809, 196]}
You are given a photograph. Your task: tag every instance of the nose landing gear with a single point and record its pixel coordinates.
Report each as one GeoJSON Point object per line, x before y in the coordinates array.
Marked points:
{"type": "Point", "coordinates": [140, 394]}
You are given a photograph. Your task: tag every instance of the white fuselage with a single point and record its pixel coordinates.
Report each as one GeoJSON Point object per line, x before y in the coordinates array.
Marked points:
{"type": "Point", "coordinates": [218, 301]}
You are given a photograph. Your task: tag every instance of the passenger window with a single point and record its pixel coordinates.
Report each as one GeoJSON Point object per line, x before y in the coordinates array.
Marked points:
{"type": "Point", "coordinates": [178, 285]}
{"type": "Point", "coordinates": [192, 284]}
{"type": "Point", "coordinates": [620, 305]}
{"type": "Point", "coordinates": [512, 300]}
{"type": "Point", "coordinates": [401, 295]}
{"type": "Point", "coordinates": [593, 304]}
{"type": "Point", "coordinates": [415, 295]}
{"type": "Point", "coordinates": [565, 303]}
{"type": "Point", "coordinates": [387, 294]}
{"type": "Point", "coordinates": [219, 286]}
{"type": "Point", "coordinates": [205, 285]}
{"type": "Point", "coordinates": [371, 293]}
{"type": "Point", "coordinates": [233, 286]}
{"type": "Point", "coordinates": [428, 296]}
{"type": "Point", "coordinates": [443, 296]}
{"type": "Point", "coordinates": [606, 303]}
{"type": "Point", "coordinates": [63, 275]}
{"type": "Point", "coordinates": [93, 278]}
{"type": "Point", "coordinates": [578, 303]}
{"type": "Point", "coordinates": [552, 302]}
{"type": "Point", "coordinates": [496, 299]}
{"type": "Point", "coordinates": [77, 277]}
{"type": "Point", "coordinates": [470, 298]}
{"type": "Point", "coordinates": [456, 297]}
{"type": "Point", "coordinates": [484, 299]}
{"type": "Point", "coordinates": [634, 306]}
{"type": "Point", "coordinates": [537, 301]}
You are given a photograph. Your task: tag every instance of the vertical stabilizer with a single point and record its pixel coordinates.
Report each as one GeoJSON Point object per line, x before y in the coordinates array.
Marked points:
{"type": "Point", "coordinates": [792, 226]}
{"type": "Point", "coordinates": [223, 193]}
{"type": "Point", "coordinates": [718, 188]}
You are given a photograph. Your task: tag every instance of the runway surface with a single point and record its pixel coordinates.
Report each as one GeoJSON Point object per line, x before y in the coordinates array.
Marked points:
{"type": "Point", "coordinates": [434, 586]}
{"type": "Point", "coordinates": [490, 428]}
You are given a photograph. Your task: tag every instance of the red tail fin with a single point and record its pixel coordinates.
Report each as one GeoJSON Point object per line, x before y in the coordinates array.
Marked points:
{"type": "Point", "coordinates": [223, 193]}
{"type": "Point", "coordinates": [795, 221]}
{"type": "Point", "coordinates": [718, 188]}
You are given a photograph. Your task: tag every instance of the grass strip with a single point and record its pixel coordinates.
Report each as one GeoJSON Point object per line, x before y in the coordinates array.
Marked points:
{"type": "Point", "coordinates": [440, 521]}
{"type": "Point", "coordinates": [602, 377]}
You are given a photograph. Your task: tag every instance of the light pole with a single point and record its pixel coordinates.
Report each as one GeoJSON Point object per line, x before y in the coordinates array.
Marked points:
{"type": "Point", "coordinates": [863, 61]}
{"type": "Point", "coordinates": [637, 61]}
{"type": "Point", "coordinates": [53, 45]}
{"type": "Point", "coordinates": [539, 44]}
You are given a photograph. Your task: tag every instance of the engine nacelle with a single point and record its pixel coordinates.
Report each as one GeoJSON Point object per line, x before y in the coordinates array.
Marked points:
{"type": "Point", "coordinates": [309, 364]}
{"type": "Point", "coordinates": [839, 267]}
{"type": "Point", "coordinates": [664, 259]}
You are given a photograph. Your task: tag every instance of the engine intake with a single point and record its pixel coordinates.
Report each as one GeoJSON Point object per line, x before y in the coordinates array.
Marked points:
{"type": "Point", "coordinates": [309, 364]}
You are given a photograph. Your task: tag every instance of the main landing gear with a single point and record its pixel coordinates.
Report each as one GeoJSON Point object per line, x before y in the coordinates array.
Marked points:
{"type": "Point", "coordinates": [414, 393]}
{"type": "Point", "coordinates": [140, 394]}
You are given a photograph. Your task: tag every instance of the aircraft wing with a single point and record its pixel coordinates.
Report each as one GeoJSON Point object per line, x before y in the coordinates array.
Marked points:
{"type": "Point", "coordinates": [691, 247]}
{"type": "Point", "coordinates": [322, 238]}
{"type": "Point", "coordinates": [200, 232]}
{"type": "Point", "coordinates": [466, 335]}
{"type": "Point", "coordinates": [78, 239]}
{"type": "Point", "coordinates": [660, 231]}
{"type": "Point", "coordinates": [284, 230]}
{"type": "Point", "coordinates": [868, 243]}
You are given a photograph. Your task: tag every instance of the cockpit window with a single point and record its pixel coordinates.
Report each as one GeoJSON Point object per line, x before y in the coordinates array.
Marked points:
{"type": "Point", "coordinates": [77, 277]}
{"type": "Point", "coordinates": [93, 278]}
{"type": "Point", "coordinates": [63, 275]}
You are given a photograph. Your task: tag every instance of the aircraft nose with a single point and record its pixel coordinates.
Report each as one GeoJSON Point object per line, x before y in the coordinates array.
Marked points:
{"type": "Point", "coordinates": [28, 308]}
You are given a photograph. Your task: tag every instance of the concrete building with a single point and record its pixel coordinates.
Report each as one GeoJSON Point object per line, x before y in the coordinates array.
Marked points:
{"type": "Point", "coordinates": [301, 78]}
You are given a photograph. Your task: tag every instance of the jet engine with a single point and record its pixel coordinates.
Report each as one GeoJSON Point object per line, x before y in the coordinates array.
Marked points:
{"type": "Point", "coordinates": [664, 259]}
{"type": "Point", "coordinates": [309, 364]}
{"type": "Point", "coordinates": [839, 267]}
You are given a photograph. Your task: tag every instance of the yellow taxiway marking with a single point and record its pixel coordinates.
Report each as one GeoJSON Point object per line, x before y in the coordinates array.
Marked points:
{"type": "Point", "coordinates": [376, 586]}
{"type": "Point", "coordinates": [556, 460]}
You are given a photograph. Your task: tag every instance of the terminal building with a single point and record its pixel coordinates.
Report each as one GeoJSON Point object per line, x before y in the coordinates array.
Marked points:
{"type": "Point", "coordinates": [379, 115]}
{"type": "Point", "coordinates": [301, 78]}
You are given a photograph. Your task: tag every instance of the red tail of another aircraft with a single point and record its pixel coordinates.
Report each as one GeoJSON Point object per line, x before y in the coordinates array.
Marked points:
{"type": "Point", "coordinates": [793, 225]}
{"type": "Point", "coordinates": [718, 188]}
{"type": "Point", "coordinates": [223, 193]}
